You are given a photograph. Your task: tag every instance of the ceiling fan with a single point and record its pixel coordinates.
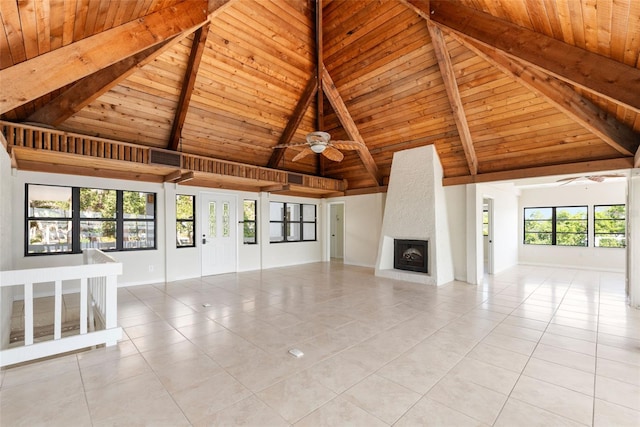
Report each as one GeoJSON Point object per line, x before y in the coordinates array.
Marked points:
{"type": "Point", "coordinates": [594, 178]}
{"type": "Point", "coordinates": [320, 143]}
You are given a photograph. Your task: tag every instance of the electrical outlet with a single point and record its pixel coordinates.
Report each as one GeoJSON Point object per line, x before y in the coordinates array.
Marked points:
{"type": "Point", "coordinates": [150, 268]}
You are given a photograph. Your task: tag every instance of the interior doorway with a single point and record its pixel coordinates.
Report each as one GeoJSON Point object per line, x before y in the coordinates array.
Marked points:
{"type": "Point", "coordinates": [336, 231]}
{"type": "Point", "coordinates": [219, 233]}
{"type": "Point", "coordinates": [487, 235]}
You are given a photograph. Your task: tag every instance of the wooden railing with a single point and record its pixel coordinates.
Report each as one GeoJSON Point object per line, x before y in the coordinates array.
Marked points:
{"type": "Point", "coordinates": [33, 137]}
{"type": "Point", "coordinates": [98, 297]}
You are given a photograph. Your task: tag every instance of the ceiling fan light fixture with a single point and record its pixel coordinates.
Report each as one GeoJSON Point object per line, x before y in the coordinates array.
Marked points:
{"type": "Point", "coordinates": [318, 148]}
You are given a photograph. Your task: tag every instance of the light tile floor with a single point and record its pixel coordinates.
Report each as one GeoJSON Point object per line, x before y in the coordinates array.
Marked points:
{"type": "Point", "coordinates": [530, 347]}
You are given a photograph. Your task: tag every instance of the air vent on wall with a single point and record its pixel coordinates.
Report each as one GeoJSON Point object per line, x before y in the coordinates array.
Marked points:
{"type": "Point", "coordinates": [294, 178]}
{"type": "Point", "coordinates": [164, 157]}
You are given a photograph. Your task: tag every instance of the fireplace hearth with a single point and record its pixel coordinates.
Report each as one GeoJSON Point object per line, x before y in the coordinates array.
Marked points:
{"type": "Point", "coordinates": [411, 255]}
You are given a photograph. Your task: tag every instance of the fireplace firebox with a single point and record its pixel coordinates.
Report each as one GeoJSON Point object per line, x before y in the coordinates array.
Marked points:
{"type": "Point", "coordinates": [411, 255]}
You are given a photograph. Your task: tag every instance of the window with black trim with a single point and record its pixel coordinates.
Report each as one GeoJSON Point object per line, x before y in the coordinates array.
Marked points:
{"type": "Point", "coordinates": [559, 226]}
{"type": "Point", "coordinates": [69, 219]}
{"type": "Point", "coordinates": [185, 220]}
{"type": "Point", "coordinates": [485, 222]}
{"type": "Point", "coordinates": [249, 224]}
{"type": "Point", "coordinates": [610, 226]}
{"type": "Point", "coordinates": [292, 222]}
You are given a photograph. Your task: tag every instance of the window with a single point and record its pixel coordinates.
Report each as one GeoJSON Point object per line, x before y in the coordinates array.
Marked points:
{"type": "Point", "coordinates": [485, 222]}
{"type": "Point", "coordinates": [609, 226]}
{"type": "Point", "coordinates": [560, 226]}
{"type": "Point", "coordinates": [292, 222]}
{"type": "Point", "coordinates": [249, 223]}
{"type": "Point", "coordinates": [185, 221]}
{"type": "Point", "coordinates": [70, 219]}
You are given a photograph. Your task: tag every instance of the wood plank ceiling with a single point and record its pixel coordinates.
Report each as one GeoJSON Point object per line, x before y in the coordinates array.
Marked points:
{"type": "Point", "coordinates": [502, 89]}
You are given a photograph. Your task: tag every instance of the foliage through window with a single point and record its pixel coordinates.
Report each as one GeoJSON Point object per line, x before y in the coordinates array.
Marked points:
{"type": "Point", "coordinates": [185, 221]}
{"type": "Point", "coordinates": [292, 222]}
{"type": "Point", "coordinates": [70, 219]}
{"type": "Point", "coordinates": [609, 226]}
{"type": "Point", "coordinates": [249, 222]}
{"type": "Point", "coordinates": [559, 226]}
{"type": "Point", "coordinates": [485, 223]}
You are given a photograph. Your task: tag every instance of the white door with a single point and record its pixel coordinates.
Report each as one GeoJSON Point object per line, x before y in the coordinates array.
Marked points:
{"type": "Point", "coordinates": [219, 233]}
{"type": "Point", "coordinates": [336, 220]}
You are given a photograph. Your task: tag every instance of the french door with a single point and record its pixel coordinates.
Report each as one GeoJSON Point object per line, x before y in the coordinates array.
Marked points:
{"type": "Point", "coordinates": [219, 233]}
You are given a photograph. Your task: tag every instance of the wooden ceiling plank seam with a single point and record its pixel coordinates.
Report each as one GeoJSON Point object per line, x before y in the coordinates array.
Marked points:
{"type": "Point", "coordinates": [294, 121]}
{"type": "Point", "coordinates": [82, 9]}
{"type": "Point", "coordinates": [42, 24]}
{"type": "Point", "coordinates": [28, 22]}
{"type": "Point", "coordinates": [190, 74]}
{"type": "Point", "coordinates": [70, 63]}
{"type": "Point", "coordinates": [538, 17]}
{"type": "Point", "coordinates": [632, 45]}
{"type": "Point", "coordinates": [593, 72]}
{"type": "Point", "coordinates": [13, 29]}
{"type": "Point", "coordinates": [562, 97]}
{"type": "Point", "coordinates": [451, 86]}
{"type": "Point", "coordinates": [349, 125]}
{"type": "Point", "coordinates": [568, 168]}
{"type": "Point", "coordinates": [87, 89]}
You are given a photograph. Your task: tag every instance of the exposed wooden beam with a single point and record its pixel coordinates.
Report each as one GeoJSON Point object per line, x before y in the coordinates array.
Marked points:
{"type": "Point", "coordinates": [187, 176]}
{"type": "Point", "coordinates": [561, 96]}
{"type": "Point", "coordinates": [319, 69]}
{"type": "Point", "coordinates": [569, 168]}
{"type": "Point", "coordinates": [595, 73]}
{"type": "Point", "coordinates": [349, 125]}
{"type": "Point", "coordinates": [89, 88]}
{"type": "Point", "coordinates": [294, 121]}
{"type": "Point", "coordinates": [636, 162]}
{"type": "Point", "coordinates": [275, 188]}
{"type": "Point", "coordinates": [70, 63]}
{"type": "Point", "coordinates": [173, 176]}
{"type": "Point", "coordinates": [197, 49]}
{"type": "Point", "coordinates": [451, 86]}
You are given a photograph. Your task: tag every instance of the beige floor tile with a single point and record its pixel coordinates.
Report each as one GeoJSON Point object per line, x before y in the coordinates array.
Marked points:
{"type": "Point", "coordinates": [518, 332]}
{"type": "Point", "coordinates": [176, 376]}
{"type": "Point", "coordinates": [558, 355]}
{"type": "Point", "coordinates": [141, 400]}
{"type": "Point", "coordinates": [263, 370]}
{"type": "Point", "coordinates": [418, 374]}
{"type": "Point", "coordinates": [249, 412]}
{"type": "Point", "coordinates": [382, 398]}
{"type": "Point", "coordinates": [624, 355]}
{"type": "Point", "coordinates": [568, 343]}
{"type": "Point", "coordinates": [573, 379]}
{"type": "Point", "coordinates": [499, 357]}
{"type": "Point", "coordinates": [507, 342]}
{"type": "Point", "coordinates": [109, 372]}
{"type": "Point", "coordinates": [559, 400]}
{"type": "Point", "coordinates": [618, 392]}
{"type": "Point", "coordinates": [517, 413]}
{"type": "Point", "coordinates": [492, 377]}
{"type": "Point", "coordinates": [607, 414]}
{"type": "Point", "coordinates": [158, 340]}
{"type": "Point", "coordinates": [37, 371]}
{"type": "Point", "coordinates": [54, 400]}
{"type": "Point", "coordinates": [618, 371]}
{"type": "Point", "coordinates": [296, 397]}
{"type": "Point", "coordinates": [340, 412]}
{"type": "Point", "coordinates": [473, 400]}
{"type": "Point", "coordinates": [428, 412]}
{"type": "Point", "coordinates": [338, 374]}
{"type": "Point", "coordinates": [147, 329]}
{"type": "Point", "coordinates": [568, 331]}
{"type": "Point", "coordinates": [208, 396]}
{"type": "Point", "coordinates": [104, 354]}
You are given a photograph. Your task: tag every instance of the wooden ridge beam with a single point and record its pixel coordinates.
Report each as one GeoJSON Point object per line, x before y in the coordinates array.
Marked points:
{"type": "Point", "coordinates": [568, 168]}
{"type": "Point", "coordinates": [90, 88]}
{"type": "Point", "coordinates": [197, 49]}
{"type": "Point", "coordinates": [70, 63]}
{"type": "Point", "coordinates": [594, 73]}
{"type": "Point", "coordinates": [349, 125]}
{"type": "Point", "coordinates": [321, 163]}
{"type": "Point", "coordinates": [561, 96]}
{"type": "Point", "coordinates": [451, 86]}
{"type": "Point", "coordinates": [294, 121]}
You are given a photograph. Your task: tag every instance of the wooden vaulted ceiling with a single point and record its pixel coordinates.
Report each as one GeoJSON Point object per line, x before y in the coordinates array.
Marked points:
{"type": "Point", "coordinates": [502, 89]}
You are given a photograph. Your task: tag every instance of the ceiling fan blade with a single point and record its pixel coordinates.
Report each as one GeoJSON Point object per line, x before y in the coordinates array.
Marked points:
{"type": "Point", "coordinates": [303, 153]}
{"type": "Point", "coordinates": [290, 145]}
{"type": "Point", "coordinates": [333, 154]}
{"type": "Point", "coordinates": [347, 145]}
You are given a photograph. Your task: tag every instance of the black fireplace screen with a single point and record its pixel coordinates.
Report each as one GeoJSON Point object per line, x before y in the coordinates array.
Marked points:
{"type": "Point", "coordinates": [411, 255]}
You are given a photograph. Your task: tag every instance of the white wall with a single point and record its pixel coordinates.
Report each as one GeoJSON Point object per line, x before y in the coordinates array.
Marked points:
{"type": "Point", "coordinates": [456, 201]}
{"type": "Point", "coordinates": [6, 255]}
{"type": "Point", "coordinates": [589, 194]}
{"type": "Point", "coordinates": [362, 224]}
{"type": "Point", "coordinates": [633, 238]}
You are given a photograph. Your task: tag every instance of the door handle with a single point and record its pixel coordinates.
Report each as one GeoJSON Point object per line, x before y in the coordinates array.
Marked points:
{"type": "Point", "coordinates": [204, 239]}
